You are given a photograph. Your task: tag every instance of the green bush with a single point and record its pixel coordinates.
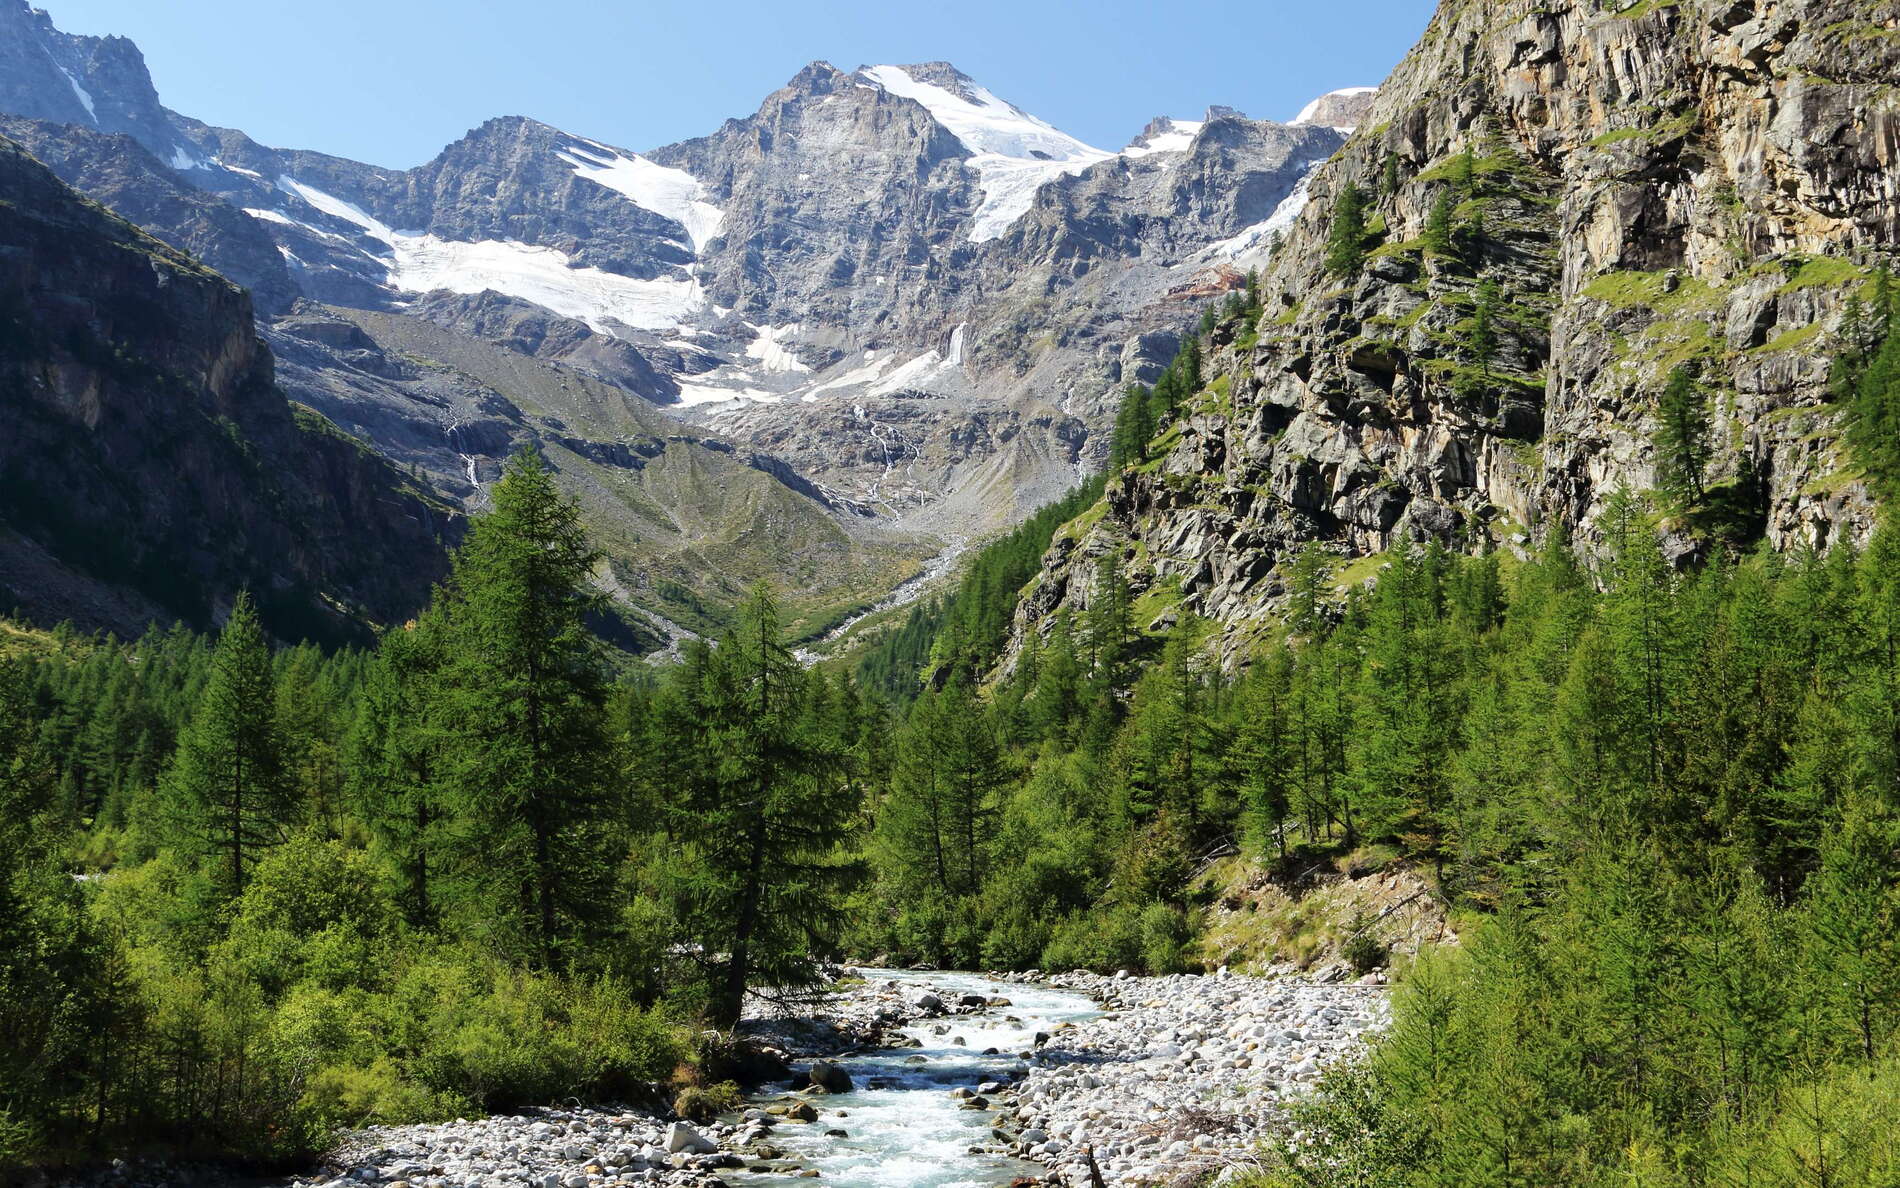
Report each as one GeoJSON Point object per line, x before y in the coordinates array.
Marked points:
{"type": "Point", "coordinates": [1164, 934]}
{"type": "Point", "coordinates": [343, 1095]}
{"type": "Point", "coordinates": [703, 1104]}
{"type": "Point", "coordinates": [507, 1037]}
{"type": "Point", "coordinates": [1104, 940]}
{"type": "Point", "coordinates": [1363, 948]}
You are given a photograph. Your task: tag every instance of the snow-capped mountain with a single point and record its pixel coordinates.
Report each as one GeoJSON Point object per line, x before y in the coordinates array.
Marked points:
{"type": "Point", "coordinates": [921, 299]}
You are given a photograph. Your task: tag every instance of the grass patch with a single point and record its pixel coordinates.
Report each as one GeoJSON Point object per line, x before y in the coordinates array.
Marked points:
{"type": "Point", "coordinates": [1358, 571]}
{"type": "Point", "coordinates": [1824, 271]}
{"type": "Point", "coordinates": [1799, 338]}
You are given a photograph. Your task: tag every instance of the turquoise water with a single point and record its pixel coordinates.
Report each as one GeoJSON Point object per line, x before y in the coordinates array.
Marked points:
{"type": "Point", "coordinates": [908, 1132]}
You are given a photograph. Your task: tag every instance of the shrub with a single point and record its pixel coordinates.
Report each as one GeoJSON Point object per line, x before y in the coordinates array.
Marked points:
{"type": "Point", "coordinates": [1164, 933]}
{"type": "Point", "coordinates": [1363, 948]}
{"type": "Point", "coordinates": [346, 1096]}
{"type": "Point", "coordinates": [1104, 939]}
{"type": "Point", "coordinates": [705, 1104]}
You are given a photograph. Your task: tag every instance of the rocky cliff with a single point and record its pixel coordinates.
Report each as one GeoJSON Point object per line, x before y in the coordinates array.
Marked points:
{"type": "Point", "coordinates": [1625, 189]}
{"type": "Point", "coordinates": [151, 468]}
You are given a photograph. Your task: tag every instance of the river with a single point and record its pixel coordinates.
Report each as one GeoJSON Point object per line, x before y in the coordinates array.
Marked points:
{"type": "Point", "coordinates": [904, 1129]}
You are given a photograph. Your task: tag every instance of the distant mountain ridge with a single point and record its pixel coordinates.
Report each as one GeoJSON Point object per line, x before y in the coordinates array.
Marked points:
{"type": "Point", "coordinates": [921, 300]}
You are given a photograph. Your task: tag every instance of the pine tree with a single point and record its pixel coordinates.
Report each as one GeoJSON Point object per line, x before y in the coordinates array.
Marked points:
{"type": "Point", "coordinates": [1264, 751]}
{"type": "Point", "coordinates": [523, 759]}
{"type": "Point", "coordinates": [1306, 587]}
{"type": "Point", "coordinates": [1464, 172]}
{"type": "Point", "coordinates": [229, 793]}
{"type": "Point", "coordinates": [1110, 625]}
{"type": "Point", "coordinates": [1346, 240]}
{"type": "Point", "coordinates": [937, 823]}
{"type": "Point", "coordinates": [1055, 705]}
{"type": "Point", "coordinates": [1134, 427]}
{"type": "Point", "coordinates": [1682, 438]}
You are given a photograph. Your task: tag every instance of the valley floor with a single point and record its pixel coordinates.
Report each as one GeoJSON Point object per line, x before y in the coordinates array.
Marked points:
{"type": "Point", "coordinates": [1159, 1081]}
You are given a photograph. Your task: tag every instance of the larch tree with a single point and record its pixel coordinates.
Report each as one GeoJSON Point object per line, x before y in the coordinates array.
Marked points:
{"type": "Point", "coordinates": [1346, 240]}
{"type": "Point", "coordinates": [228, 790]}
{"type": "Point", "coordinates": [1682, 438]}
{"type": "Point", "coordinates": [765, 818]}
{"type": "Point", "coordinates": [523, 756]}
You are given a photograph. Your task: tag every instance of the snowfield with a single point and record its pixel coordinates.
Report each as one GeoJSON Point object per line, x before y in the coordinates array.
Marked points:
{"type": "Point", "coordinates": [1014, 153]}
{"type": "Point", "coordinates": [673, 193]}
{"type": "Point", "coordinates": [421, 263]}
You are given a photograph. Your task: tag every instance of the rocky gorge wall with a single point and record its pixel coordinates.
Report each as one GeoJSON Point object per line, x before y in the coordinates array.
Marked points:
{"type": "Point", "coordinates": [1649, 185]}
{"type": "Point", "coordinates": [150, 468]}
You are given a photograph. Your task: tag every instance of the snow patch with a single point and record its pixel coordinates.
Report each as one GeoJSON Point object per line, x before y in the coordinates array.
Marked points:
{"type": "Point", "coordinates": [424, 263]}
{"type": "Point", "coordinates": [770, 350]}
{"type": "Point", "coordinates": [673, 193]}
{"type": "Point", "coordinates": [183, 159]}
{"type": "Point", "coordinates": [1260, 235]}
{"type": "Point", "coordinates": [1014, 153]}
{"type": "Point", "coordinates": [695, 395]}
{"type": "Point", "coordinates": [1176, 139]}
{"type": "Point", "coordinates": [876, 363]}
{"type": "Point", "coordinates": [82, 94]}
{"type": "Point", "coordinates": [271, 216]}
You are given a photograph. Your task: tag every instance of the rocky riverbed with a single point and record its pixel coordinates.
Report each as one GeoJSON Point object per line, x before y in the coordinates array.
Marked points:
{"type": "Point", "coordinates": [1179, 1077]}
{"type": "Point", "coordinates": [928, 1080]}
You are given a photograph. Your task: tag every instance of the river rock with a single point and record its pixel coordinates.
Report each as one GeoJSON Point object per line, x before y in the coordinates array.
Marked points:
{"type": "Point", "coordinates": [829, 1077]}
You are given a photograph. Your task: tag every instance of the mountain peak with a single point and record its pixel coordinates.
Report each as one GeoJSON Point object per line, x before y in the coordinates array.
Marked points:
{"type": "Point", "coordinates": [1342, 109]}
{"type": "Point", "coordinates": [819, 77]}
{"type": "Point", "coordinates": [984, 123]}
{"type": "Point", "coordinates": [1165, 134]}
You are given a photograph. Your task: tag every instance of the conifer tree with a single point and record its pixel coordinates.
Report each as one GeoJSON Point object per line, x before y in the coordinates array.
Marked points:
{"type": "Point", "coordinates": [764, 819]}
{"type": "Point", "coordinates": [1682, 437]}
{"type": "Point", "coordinates": [1439, 236]}
{"type": "Point", "coordinates": [1482, 338]}
{"type": "Point", "coordinates": [1110, 624]}
{"type": "Point", "coordinates": [523, 758]}
{"type": "Point", "coordinates": [1346, 239]}
{"type": "Point", "coordinates": [229, 792]}
{"type": "Point", "coordinates": [1264, 751]}
{"type": "Point", "coordinates": [1464, 172]}
{"type": "Point", "coordinates": [1055, 705]}
{"type": "Point", "coordinates": [1854, 915]}
{"type": "Point", "coordinates": [936, 825]}
{"type": "Point", "coordinates": [392, 754]}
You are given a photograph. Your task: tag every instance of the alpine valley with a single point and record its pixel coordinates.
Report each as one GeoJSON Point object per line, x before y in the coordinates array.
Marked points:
{"type": "Point", "coordinates": [890, 646]}
{"type": "Point", "coordinates": [887, 314]}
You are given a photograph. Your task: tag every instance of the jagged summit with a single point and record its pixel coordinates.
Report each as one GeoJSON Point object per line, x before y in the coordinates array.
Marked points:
{"type": "Point", "coordinates": [1165, 134]}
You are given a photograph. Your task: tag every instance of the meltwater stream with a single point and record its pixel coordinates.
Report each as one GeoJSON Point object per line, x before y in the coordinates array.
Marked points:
{"type": "Point", "coordinates": [904, 1128]}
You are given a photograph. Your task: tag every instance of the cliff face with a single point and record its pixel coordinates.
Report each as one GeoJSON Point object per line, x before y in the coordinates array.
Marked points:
{"type": "Point", "coordinates": [150, 467]}
{"type": "Point", "coordinates": [1703, 183]}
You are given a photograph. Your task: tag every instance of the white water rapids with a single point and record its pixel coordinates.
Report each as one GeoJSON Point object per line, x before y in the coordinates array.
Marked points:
{"type": "Point", "coordinates": [904, 1128]}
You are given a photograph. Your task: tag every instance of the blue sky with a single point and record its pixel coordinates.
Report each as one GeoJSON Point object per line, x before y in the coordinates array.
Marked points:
{"type": "Point", "coordinates": [391, 81]}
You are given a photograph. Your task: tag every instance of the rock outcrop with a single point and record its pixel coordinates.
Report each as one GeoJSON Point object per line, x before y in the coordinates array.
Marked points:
{"type": "Point", "coordinates": [1631, 188]}
{"type": "Point", "coordinates": [150, 467]}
